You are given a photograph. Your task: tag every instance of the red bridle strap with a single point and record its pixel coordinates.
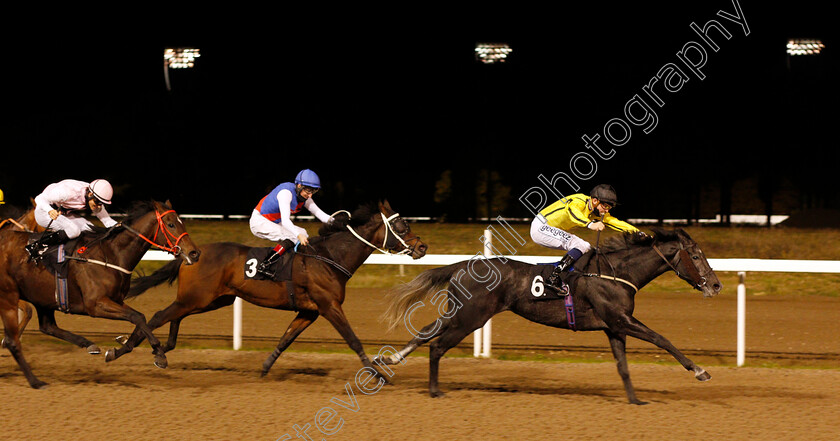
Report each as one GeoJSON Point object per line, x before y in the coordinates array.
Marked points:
{"type": "Point", "coordinates": [173, 248]}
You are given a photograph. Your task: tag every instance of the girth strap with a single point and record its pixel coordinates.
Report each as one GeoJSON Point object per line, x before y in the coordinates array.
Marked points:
{"type": "Point", "coordinates": [61, 295]}
{"type": "Point", "coordinates": [569, 304]}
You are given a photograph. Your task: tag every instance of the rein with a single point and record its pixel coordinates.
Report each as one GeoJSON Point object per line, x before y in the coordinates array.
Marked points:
{"type": "Point", "coordinates": [388, 228]}
{"type": "Point", "coordinates": [694, 277]}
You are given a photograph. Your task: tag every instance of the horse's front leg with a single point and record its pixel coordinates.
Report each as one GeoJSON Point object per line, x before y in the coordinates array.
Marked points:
{"type": "Point", "coordinates": [335, 315]}
{"type": "Point", "coordinates": [618, 345]}
{"type": "Point", "coordinates": [635, 328]}
{"type": "Point", "coordinates": [107, 308]}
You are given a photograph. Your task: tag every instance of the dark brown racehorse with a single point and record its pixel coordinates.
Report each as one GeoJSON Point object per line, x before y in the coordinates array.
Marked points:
{"type": "Point", "coordinates": [320, 274]}
{"type": "Point", "coordinates": [602, 301]}
{"type": "Point", "coordinates": [97, 280]}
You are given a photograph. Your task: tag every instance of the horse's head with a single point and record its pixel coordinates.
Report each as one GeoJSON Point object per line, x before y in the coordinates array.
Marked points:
{"type": "Point", "coordinates": [684, 256]}
{"type": "Point", "coordinates": [396, 236]}
{"type": "Point", "coordinates": [162, 227]}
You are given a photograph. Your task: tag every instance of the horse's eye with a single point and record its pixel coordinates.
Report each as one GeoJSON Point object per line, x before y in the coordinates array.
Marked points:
{"type": "Point", "coordinates": [170, 225]}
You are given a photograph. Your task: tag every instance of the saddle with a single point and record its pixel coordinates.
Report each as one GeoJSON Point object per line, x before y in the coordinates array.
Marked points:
{"type": "Point", "coordinates": [282, 268]}
{"type": "Point", "coordinates": [54, 258]}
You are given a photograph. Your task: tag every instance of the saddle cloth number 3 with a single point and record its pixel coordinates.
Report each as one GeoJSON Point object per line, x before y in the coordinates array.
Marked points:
{"type": "Point", "coordinates": [251, 267]}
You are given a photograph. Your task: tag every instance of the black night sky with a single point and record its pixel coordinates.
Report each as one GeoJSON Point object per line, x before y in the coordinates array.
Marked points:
{"type": "Point", "coordinates": [380, 102]}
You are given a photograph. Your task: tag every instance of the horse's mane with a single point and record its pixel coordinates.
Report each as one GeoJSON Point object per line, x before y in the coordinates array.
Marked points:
{"type": "Point", "coordinates": [135, 211]}
{"type": "Point", "coordinates": [360, 216]}
{"type": "Point", "coordinates": [632, 240]}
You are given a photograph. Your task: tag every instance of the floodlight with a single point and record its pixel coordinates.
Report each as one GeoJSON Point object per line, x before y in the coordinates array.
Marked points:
{"type": "Point", "coordinates": [178, 58]}
{"type": "Point", "coordinates": [804, 46]}
{"type": "Point", "coordinates": [181, 58]}
{"type": "Point", "coordinates": [489, 53]}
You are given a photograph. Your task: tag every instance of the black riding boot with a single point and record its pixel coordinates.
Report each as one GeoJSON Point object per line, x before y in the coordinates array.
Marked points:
{"type": "Point", "coordinates": [555, 280]}
{"type": "Point", "coordinates": [271, 259]}
{"type": "Point", "coordinates": [37, 248]}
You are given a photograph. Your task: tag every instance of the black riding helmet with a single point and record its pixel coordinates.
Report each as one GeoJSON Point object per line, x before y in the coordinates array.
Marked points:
{"type": "Point", "coordinates": [605, 193]}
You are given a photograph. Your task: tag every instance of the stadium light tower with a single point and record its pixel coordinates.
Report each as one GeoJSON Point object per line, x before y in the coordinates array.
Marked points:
{"type": "Point", "coordinates": [803, 46]}
{"type": "Point", "coordinates": [491, 53]}
{"type": "Point", "coordinates": [178, 58]}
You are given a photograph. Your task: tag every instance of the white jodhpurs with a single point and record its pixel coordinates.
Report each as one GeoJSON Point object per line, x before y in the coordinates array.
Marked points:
{"type": "Point", "coordinates": [71, 224]}
{"type": "Point", "coordinates": [555, 238]}
{"type": "Point", "coordinates": [266, 229]}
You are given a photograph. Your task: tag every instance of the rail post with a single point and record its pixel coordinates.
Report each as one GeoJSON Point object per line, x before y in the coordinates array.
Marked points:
{"type": "Point", "coordinates": [482, 336]}
{"type": "Point", "coordinates": [742, 317]}
{"type": "Point", "coordinates": [237, 324]}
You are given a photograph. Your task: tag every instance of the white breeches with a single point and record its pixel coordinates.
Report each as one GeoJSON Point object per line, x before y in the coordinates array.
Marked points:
{"type": "Point", "coordinates": [555, 238]}
{"type": "Point", "coordinates": [71, 224]}
{"type": "Point", "coordinates": [266, 229]}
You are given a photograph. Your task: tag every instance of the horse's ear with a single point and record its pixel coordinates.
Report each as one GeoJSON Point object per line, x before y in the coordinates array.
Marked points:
{"type": "Point", "coordinates": [168, 204]}
{"type": "Point", "coordinates": [32, 201]}
{"type": "Point", "coordinates": [384, 205]}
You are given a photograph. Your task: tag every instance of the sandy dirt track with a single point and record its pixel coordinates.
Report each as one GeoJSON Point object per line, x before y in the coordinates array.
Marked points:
{"type": "Point", "coordinates": [217, 394]}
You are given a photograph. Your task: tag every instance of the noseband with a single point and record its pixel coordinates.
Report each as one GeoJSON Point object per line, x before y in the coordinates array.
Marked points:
{"type": "Point", "coordinates": [691, 274]}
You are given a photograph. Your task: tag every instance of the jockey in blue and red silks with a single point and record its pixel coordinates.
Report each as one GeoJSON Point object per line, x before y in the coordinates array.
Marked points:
{"type": "Point", "coordinates": [271, 219]}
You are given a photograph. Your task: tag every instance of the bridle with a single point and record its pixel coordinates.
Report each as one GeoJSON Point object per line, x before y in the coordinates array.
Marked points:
{"type": "Point", "coordinates": [691, 274]}
{"type": "Point", "coordinates": [171, 240]}
{"type": "Point", "coordinates": [389, 228]}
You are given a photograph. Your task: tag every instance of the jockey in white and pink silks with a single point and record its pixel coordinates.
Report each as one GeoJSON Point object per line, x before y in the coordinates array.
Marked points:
{"type": "Point", "coordinates": [61, 207]}
{"type": "Point", "coordinates": [271, 219]}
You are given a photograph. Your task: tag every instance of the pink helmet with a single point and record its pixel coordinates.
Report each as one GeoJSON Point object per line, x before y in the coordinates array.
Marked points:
{"type": "Point", "coordinates": [102, 190]}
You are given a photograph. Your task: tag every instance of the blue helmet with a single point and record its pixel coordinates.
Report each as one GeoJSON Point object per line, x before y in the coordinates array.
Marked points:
{"type": "Point", "coordinates": [308, 178]}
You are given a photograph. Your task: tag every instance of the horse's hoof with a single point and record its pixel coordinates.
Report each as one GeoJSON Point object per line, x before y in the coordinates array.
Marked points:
{"type": "Point", "coordinates": [436, 394]}
{"type": "Point", "coordinates": [3, 343]}
{"type": "Point", "coordinates": [93, 350]}
{"type": "Point", "coordinates": [110, 355]}
{"type": "Point", "coordinates": [702, 375]}
{"type": "Point", "coordinates": [38, 384]}
{"type": "Point", "coordinates": [638, 402]}
{"type": "Point", "coordinates": [160, 361]}
{"type": "Point", "coordinates": [121, 339]}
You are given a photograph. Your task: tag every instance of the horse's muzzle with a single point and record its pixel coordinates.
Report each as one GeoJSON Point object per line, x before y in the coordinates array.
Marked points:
{"type": "Point", "coordinates": [191, 257]}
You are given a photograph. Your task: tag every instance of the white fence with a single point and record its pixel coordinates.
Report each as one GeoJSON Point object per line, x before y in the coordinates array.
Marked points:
{"type": "Point", "coordinates": [481, 337]}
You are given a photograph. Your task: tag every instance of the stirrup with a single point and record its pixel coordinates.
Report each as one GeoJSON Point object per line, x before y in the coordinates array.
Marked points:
{"type": "Point", "coordinates": [262, 268]}
{"type": "Point", "coordinates": [562, 290]}
{"type": "Point", "coordinates": [35, 250]}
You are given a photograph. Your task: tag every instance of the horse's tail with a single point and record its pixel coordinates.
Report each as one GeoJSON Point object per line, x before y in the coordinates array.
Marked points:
{"type": "Point", "coordinates": [403, 296]}
{"type": "Point", "coordinates": [167, 273]}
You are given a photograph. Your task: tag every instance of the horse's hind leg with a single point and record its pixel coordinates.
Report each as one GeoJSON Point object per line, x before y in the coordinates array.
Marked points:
{"type": "Point", "coordinates": [172, 314]}
{"type": "Point", "coordinates": [301, 322]}
{"type": "Point", "coordinates": [447, 340]}
{"type": "Point", "coordinates": [11, 341]}
{"type": "Point", "coordinates": [428, 332]}
{"type": "Point", "coordinates": [48, 325]}
{"type": "Point", "coordinates": [618, 344]}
